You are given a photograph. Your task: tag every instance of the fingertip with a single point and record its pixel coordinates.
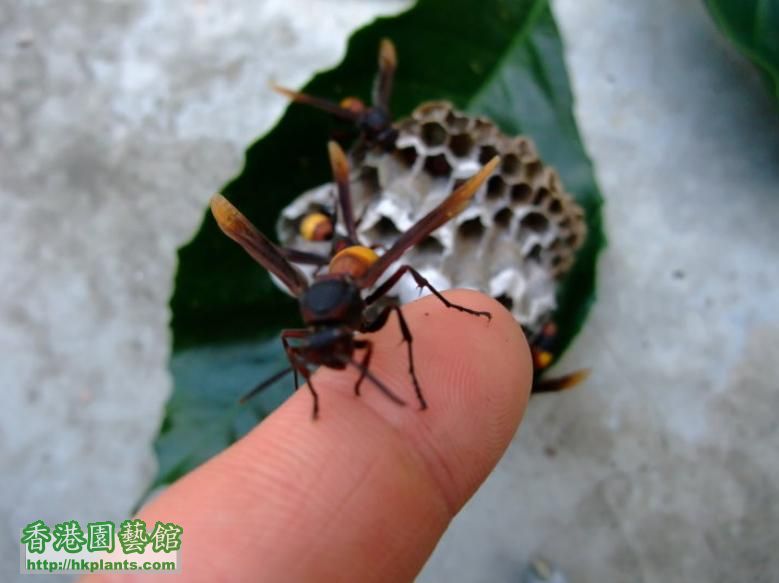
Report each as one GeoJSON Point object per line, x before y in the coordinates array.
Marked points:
{"type": "Point", "coordinates": [477, 356]}
{"type": "Point", "coordinates": [476, 374]}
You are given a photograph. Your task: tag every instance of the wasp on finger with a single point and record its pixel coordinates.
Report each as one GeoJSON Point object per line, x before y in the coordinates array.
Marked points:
{"type": "Point", "coordinates": [334, 305]}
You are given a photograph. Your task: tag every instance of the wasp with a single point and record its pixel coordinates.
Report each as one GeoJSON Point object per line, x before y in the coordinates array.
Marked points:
{"type": "Point", "coordinates": [374, 122]}
{"type": "Point", "coordinates": [333, 306]}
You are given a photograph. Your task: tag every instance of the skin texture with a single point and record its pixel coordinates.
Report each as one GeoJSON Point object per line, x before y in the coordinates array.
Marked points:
{"type": "Point", "coordinates": [365, 492]}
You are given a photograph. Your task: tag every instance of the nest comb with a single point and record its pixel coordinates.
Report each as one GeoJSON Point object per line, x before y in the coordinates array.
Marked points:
{"type": "Point", "coordinates": [517, 238]}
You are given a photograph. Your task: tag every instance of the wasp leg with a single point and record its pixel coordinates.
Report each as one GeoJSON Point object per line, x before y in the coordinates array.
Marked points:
{"type": "Point", "coordinates": [340, 168]}
{"type": "Point", "coordinates": [299, 362]}
{"type": "Point", "coordinates": [379, 323]}
{"type": "Point", "coordinates": [366, 362]}
{"type": "Point", "coordinates": [296, 333]}
{"type": "Point", "coordinates": [421, 283]}
{"type": "Point", "coordinates": [266, 383]}
{"type": "Point", "coordinates": [285, 334]}
{"type": "Point", "coordinates": [381, 386]}
{"type": "Point", "coordinates": [307, 375]}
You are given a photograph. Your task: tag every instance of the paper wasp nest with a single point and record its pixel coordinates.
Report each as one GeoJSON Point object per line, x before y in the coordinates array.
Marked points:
{"type": "Point", "coordinates": [516, 238]}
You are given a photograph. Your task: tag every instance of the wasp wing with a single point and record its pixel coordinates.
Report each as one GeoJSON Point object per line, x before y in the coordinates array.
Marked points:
{"type": "Point", "coordinates": [382, 86]}
{"type": "Point", "coordinates": [560, 383]}
{"type": "Point", "coordinates": [453, 205]}
{"type": "Point", "coordinates": [340, 167]}
{"type": "Point", "coordinates": [236, 226]}
{"type": "Point", "coordinates": [318, 103]}
{"type": "Point", "coordinates": [303, 257]}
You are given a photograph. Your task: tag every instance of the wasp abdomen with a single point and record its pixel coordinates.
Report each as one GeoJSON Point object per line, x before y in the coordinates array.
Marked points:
{"type": "Point", "coordinates": [316, 227]}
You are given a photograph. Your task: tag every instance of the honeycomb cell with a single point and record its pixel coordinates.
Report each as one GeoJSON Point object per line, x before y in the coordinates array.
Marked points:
{"type": "Point", "coordinates": [496, 188]}
{"type": "Point", "coordinates": [555, 206]}
{"type": "Point", "coordinates": [521, 193]}
{"type": "Point", "coordinates": [431, 246]}
{"type": "Point", "coordinates": [456, 123]}
{"type": "Point", "coordinates": [503, 217]}
{"type": "Point", "coordinates": [472, 229]}
{"type": "Point", "coordinates": [535, 253]}
{"type": "Point", "coordinates": [510, 165]}
{"type": "Point", "coordinates": [481, 124]}
{"type": "Point", "coordinates": [532, 170]}
{"type": "Point", "coordinates": [487, 153]}
{"type": "Point", "coordinates": [534, 221]}
{"type": "Point", "coordinates": [438, 165]}
{"type": "Point", "coordinates": [369, 178]}
{"type": "Point", "coordinates": [383, 230]}
{"type": "Point", "coordinates": [433, 134]}
{"type": "Point", "coordinates": [407, 156]}
{"type": "Point", "coordinates": [541, 196]}
{"type": "Point", "coordinates": [484, 133]}
{"type": "Point", "coordinates": [525, 150]}
{"type": "Point", "coordinates": [461, 145]}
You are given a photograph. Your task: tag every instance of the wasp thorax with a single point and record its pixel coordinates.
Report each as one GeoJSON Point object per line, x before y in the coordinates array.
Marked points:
{"type": "Point", "coordinates": [375, 120]}
{"type": "Point", "coordinates": [353, 261]}
{"type": "Point", "coordinates": [316, 227]}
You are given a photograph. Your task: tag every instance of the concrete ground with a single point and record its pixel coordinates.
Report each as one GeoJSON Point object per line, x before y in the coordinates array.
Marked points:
{"type": "Point", "coordinates": [120, 118]}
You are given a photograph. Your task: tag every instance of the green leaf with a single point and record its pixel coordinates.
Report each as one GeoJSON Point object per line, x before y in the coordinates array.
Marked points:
{"type": "Point", "coordinates": [753, 26]}
{"type": "Point", "coordinates": [504, 59]}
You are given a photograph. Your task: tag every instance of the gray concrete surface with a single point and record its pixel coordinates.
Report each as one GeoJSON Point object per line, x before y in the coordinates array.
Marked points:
{"type": "Point", "coordinates": [118, 120]}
